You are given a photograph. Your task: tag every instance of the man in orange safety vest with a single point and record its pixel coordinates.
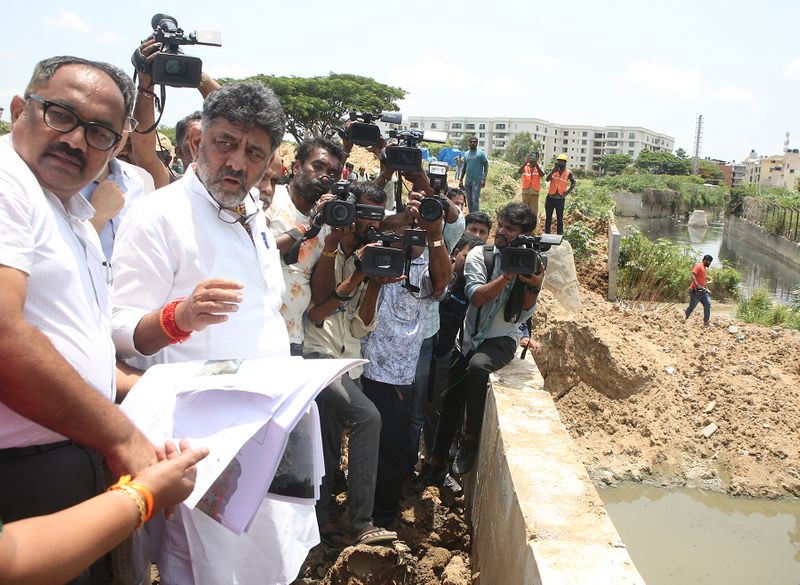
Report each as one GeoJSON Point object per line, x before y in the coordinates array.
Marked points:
{"type": "Point", "coordinates": [532, 175]}
{"type": "Point", "coordinates": [557, 193]}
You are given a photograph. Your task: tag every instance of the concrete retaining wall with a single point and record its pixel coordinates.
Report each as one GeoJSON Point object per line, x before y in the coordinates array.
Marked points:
{"type": "Point", "coordinates": [782, 248]}
{"type": "Point", "coordinates": [614, 242]}
{"type": "Point", "coordinates": [536, 517]}
{"type": "Point", "coordinates": [630, 205]}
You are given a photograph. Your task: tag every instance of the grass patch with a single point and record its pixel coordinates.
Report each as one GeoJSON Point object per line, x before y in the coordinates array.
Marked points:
{"type": "Point", "coordinates": [759, 308]}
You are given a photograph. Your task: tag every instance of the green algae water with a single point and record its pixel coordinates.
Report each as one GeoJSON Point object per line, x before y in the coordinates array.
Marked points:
{"type": "Point", "coordinates": [682, 536]}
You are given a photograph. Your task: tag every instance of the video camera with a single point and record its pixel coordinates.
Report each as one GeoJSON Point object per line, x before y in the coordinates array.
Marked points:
{"type": "Point", "coordinates": [345, 209]}
{"type": "Point", "coordinates": [384, 260]}
{"type": "Point", "coordinates": [362, 129]}
{"type": "Point", "coordinates": [523, 254]}
{"type": "Point", "coordinates": [433, 207]}
{"type": "Point", "coordinates": [170, 66]}
{"type": "Point", "coordinates": [406, 155]}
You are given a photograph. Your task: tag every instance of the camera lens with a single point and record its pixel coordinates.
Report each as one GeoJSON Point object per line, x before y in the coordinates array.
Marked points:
{"type": "Point", "coordinates": [430, 209]}
{"type": "Point", "coordinates": [174, 67]}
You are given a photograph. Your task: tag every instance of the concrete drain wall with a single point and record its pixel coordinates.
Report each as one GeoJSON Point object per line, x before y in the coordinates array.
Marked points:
{"type": "Point", "coordinates": [535, 514]}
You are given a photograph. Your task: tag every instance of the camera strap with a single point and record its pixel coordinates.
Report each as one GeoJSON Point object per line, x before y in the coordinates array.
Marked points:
{"type": "Point", "coordinates": [489, 259]}
{"type": "Point", "coordinates": [294, 252]}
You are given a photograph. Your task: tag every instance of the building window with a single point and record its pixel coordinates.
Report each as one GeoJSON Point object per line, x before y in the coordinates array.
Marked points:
{"type": "Point", "coordinates": [499, 126]}
{"type": "Point", "coordinates": [415, 124]}
{"type": "Point", "coordinates": [597, 152]}
{"type": "Point", "coordinates": [584, 134]}
{"type": "Point", "coordinates": [632, 135]}
{"type": "Point", "coordinates": [612, 135]}
{"type": "Point", "coordinates": [612, 143]}
{"type": "Point", "coordinates": [500, 135]}
{"type": "Point", "coordinates": [456, 125]}
{"type": "Point", "coordinates": [545, 129]}
{"type": "Point", "coordinates": [598, 135]}
{"type": "Point", "coordinates": [480, 143]}
{"type": "Point", "coordinates": [537, 128]}
{"type": "Point", "coordinates": [583, 142]}
{"type": "Point", "coordinates": [583, 159]}
{"type": "Point", "coordinates": [433, 125]}
{"type": "Point", "coordinates": [470, 126]}
{"type": "Point", "coordinates": [565, 141]}
{"type": "Point", "coordinates": [566, 132]}
{"type": "Point", "coordinates": [631, 144]}
{"type": "Point", "coordinates": [481, 134]}
{"type": "Point", "coordinates": [630, 152]}
{"type": "Point", "coordinates": [583, 151]}
{"type": "Point", "coordinates": [481, 126]}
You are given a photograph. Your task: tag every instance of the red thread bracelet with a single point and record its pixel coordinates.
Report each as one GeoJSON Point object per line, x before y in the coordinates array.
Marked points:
{"type": "Point", "coordinates": [168, 324]}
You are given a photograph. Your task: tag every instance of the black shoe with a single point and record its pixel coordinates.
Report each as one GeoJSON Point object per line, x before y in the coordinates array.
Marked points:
{"type": "Point", "coordinates": [430, 476]}
{"type": "Point", "coordinates": [451, 454]}
{"type": "Point", "coordinates": [465, 458]}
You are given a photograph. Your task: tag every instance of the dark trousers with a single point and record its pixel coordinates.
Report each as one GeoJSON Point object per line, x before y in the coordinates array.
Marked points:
{"type": "Point", "coordinates": [396, 446]}
{"type": "Point", "coordinates": [551, 204]}
{"type": "Point", "coordinates": [468, 378]}
{"type": "Point", "coordinates": [49, 478]}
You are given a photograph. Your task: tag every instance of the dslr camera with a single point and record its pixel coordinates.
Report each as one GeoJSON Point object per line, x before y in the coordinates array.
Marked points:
{"type": "Point", "coordinates": [433, 207]}
{"type": "Point", "coordinates": [406, 155]}
{"type": "Point", "coordinates": [344, 209]}
{"type": "Point", "coordinates": [363, 130]}
{"type": "Point", "coordinates": [384, 260]}
{"type": "Point", "coordinates": [170, 66]}
{"type": "Point", "coordinates": [523, 254]}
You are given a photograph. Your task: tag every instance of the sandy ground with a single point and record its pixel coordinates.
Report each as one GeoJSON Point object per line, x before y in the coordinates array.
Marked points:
{"type": "Point", "coordinates": [642, 392]}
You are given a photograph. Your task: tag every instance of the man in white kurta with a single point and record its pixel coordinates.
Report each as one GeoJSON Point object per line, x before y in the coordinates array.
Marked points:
{"type": "Point", "coordinates": [202, 247]}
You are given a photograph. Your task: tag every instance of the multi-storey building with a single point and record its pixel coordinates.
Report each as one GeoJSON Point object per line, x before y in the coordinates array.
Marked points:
{"type": "Point", "coordinates": [584, 145]}
{"type": "Point", "coordinates": [780, 170]}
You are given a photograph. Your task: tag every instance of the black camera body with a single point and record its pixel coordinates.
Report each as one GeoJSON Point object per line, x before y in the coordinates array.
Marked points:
{"type": "Point", "coordinates": [170, 66]}
{"type": "Point", "coordinates": [523, 254]}
{"type": "Point", "coordinates": [384, 260]}
{"type": "Point", "coordinates": [433, 207]}
{"type": "Point", "coordinates": [406, 155]}
{"type": "Point", "coordinates": [345, 209]}
{"type": "Point", "coordinates": [363, 130]}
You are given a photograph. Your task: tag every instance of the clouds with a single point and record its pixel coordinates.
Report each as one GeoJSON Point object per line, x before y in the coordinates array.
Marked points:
{"type": "Point", "coordinates": [71, 22]}
{"type": "Point", "coordinates": [792, 70]}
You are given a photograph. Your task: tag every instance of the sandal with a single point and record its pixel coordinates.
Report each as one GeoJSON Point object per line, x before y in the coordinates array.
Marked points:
{"type": "Point", "coordinates": [376, 536]}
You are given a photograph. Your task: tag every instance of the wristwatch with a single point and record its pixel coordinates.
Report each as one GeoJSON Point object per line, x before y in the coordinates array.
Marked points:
{"type": "Point", "coordinates": [341, 298]}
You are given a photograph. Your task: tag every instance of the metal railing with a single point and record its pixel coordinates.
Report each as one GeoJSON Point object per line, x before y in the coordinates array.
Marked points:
{"type": "Point", "coordinates": [776, 219]}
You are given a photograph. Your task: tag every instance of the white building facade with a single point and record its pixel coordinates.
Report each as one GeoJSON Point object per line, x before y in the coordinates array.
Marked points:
{"type": "Point", "coordinates": [584, 145]}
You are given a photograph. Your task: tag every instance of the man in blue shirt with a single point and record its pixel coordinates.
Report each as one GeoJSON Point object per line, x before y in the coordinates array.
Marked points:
{"type": "Point", "coordinates": [473, 174]}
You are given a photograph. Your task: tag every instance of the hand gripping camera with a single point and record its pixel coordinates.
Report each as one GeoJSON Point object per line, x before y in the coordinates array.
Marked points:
{"type": "Point", "coordinates": [393, 262]}
{"type": "Point", "coordinates": [406, 155]}
{"type": "Point", "coordinates": [170, 66]}
{"type": "Point", "coordinates": [362, 129]}
{"type": "Point", "coordinates": [344, 210]}
{"type": "Point", "coordinates": [434, 206]}
{"type": "Point", "coordinates": [523, 254]}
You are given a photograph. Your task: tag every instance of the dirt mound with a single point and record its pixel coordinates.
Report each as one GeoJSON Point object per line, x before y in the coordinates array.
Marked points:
{"type": "Point", "coordinates": [649, 397]}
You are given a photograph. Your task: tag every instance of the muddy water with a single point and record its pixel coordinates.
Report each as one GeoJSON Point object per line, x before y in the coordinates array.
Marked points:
{"type": "Point", "coordinates": [678, 536]}
{"type": "Point", "coordinates": [759, 269]}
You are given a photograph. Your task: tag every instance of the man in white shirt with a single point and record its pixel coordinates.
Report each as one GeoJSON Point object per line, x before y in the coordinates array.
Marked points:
{"type": "Point", "coordinates": [197, 276]}
{"type": "Point", "coordinates": [57, 383]}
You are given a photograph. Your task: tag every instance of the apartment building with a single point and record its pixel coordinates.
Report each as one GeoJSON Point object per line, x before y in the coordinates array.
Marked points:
{"type": "Point", "coordinates": [584, 145]}
{"type": "Point", "coordinates": [780, 170]}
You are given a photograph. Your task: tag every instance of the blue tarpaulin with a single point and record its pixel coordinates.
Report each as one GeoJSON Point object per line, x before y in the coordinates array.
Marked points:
{"type": "Point", "coordinates": [449, 155]}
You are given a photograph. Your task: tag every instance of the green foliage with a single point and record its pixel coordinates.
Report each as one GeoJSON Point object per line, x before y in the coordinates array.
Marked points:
{"type": "Point", "coordinates": [694, 195]}
{"type": "Point", "coordinates": [725, 282]}
{"type": "Point", "coordinates": [710, 172]}
{"type": "Point", "coordinates": [502, 186]}
{"type": "Point", "coordinates": [652, 271]}
{"type": "Point", "coordinates": [758, 308]}
{"type": "Point", "coordinates": [774, 195]}
{"type": "Point", "coordinates": [520, 146]}
{"type": "Point", "coordinates": [681, 154]}
{"type": "Point", "coordinates": [5, 127]}
{"type": "Point", "coordinates": [313, 105]}
{"type": "Point", "coordinates": [614, 163]}
{"type": "Point", "coordinates": [579, 235]}
{"type": "Point", "coordinates": [463, 144]}
{"type": "Point", "coordinates": [169, 132]}
{"type": "Point", "coordinates": [591, 199]}
{"type": "Point", "coordinates": [662, 163]}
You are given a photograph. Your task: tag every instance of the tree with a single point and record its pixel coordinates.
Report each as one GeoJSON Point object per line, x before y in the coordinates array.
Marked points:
{"type": "Point", "coordinates": [5, 127]}
{"type": "Point", "coordinates": [463, 144]}
{"type": "Point", "coordinates": [435, 147]}
{"type": "Point", "coordinates": [662, 163]}
{"type": "Point", "coordinates": [314, 105]}
{"type": "Point", "coordinates": [167, 131]}
{"type": "Point", "coordinates": [520, 146]}
{"type": "Point", "coordinates": [710, 172]}
{"type": "Point", "coordinates": [614, 163]}
{"type": "Point", "coordinates": [681, 154]}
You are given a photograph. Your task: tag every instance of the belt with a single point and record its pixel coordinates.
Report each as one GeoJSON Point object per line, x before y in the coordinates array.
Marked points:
{"type": "Point", "coordinates": [16, 452]}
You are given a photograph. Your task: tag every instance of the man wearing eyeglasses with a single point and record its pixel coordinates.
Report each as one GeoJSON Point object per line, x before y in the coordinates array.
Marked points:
{"type": "Point", "coordinates": [197, 276]}
{"type": "Point", "coordinates": [57, 383]}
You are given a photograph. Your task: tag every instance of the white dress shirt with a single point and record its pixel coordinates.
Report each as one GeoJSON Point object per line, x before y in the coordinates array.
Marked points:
{"type": "Point", "coordinates": [66, 295]}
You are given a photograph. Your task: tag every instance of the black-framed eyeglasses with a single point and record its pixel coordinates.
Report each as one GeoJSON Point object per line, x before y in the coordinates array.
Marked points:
{"type": "Point", "coordinates": [62, 119]}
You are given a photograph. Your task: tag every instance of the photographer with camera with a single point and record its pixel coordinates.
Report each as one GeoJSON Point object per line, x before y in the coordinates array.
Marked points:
{"type": "Point", "coordinates": [698, 293]}
{"type": "Point", "coordinates": [532, 175]}
{"type": "Point", "coordinates": [489, 337]}
{"type": "Point", "coordinates": [292, 217]}
{"type": "Point", "coordinates": [342, 311]}
{"type": "Point", "coordinates": [388, 377]}
{"type": "Point", "coordinates": [557, 193]}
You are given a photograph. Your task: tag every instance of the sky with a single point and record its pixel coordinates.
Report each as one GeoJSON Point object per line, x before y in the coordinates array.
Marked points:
{"type": "Point", "coordinates": [613, 62]}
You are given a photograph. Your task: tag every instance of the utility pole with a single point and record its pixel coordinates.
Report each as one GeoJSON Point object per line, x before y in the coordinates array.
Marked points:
{"type": "Point", "coordinates": [698, 139]}
{"type": "Point", "coordinates": [786, 144]}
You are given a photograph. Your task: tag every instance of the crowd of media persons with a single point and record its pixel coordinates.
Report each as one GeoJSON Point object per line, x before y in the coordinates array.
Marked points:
{"type": "Point", "coordinates": [112, 261]}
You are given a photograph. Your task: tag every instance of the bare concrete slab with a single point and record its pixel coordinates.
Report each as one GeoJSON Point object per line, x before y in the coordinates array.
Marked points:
{"type": "Point", "coordinates": [536, 516]}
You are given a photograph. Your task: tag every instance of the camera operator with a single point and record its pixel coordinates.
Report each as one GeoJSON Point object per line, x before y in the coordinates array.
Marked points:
{"type": "Point", "coordinates": [489, 341]}
{"type": "Point", "coordinates": [317, 162]}
{"type": "Point", "coordinates": [342, 311]}
{"type": "Point", "coordinates": [145, 147]}
{"type": "Point", "coordinates": [532, 175]}
{"type": "Point", "coordinates": [393, 350]}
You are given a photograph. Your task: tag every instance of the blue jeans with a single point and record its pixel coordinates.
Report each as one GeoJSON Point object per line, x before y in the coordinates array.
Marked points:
{"type": "Point", "coordinates": [472, 189]}
{"type": "Point", "coordinates": [699, 297]}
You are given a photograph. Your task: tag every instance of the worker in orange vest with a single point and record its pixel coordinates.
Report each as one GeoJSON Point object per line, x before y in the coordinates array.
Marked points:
{"type": "Point", "coordinates": [532, 175]}
{"type": "Point", "coordinates": [557, 193]}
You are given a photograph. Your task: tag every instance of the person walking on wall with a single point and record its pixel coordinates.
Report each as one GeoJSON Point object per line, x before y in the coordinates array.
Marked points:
{"type": "Point", "coordinates": [557, 194]}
